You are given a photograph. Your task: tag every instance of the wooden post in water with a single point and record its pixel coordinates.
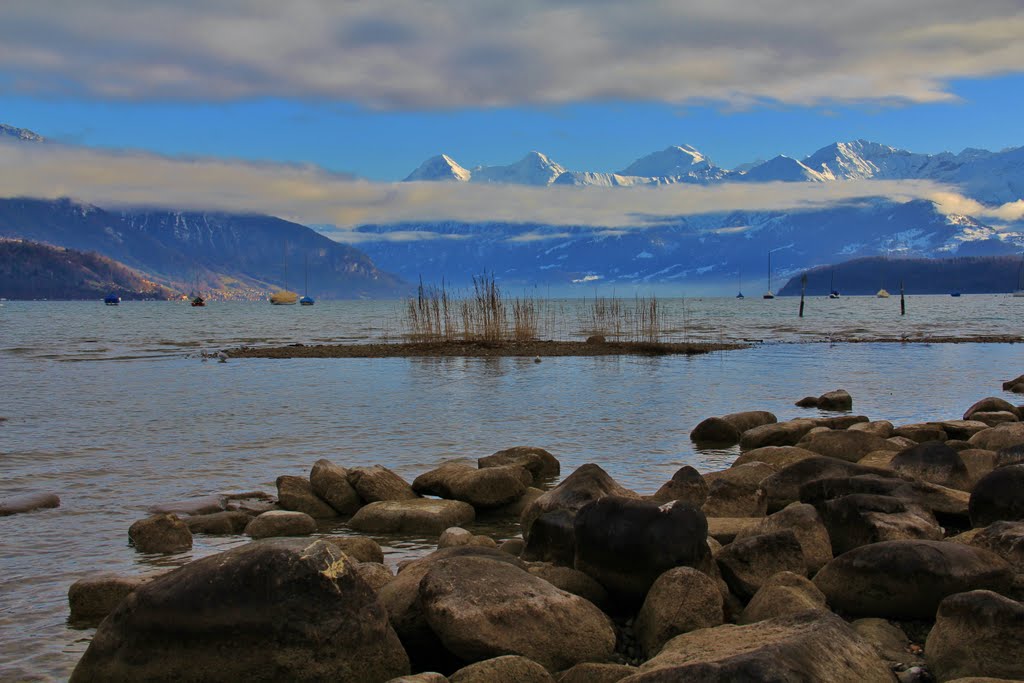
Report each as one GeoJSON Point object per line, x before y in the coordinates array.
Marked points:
{"type": "Point", "coordinates": [803, 290]}
{"type": "Point", "coordinates": [903, 301]}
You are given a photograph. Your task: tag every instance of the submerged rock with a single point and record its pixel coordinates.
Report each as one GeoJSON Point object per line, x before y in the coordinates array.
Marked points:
{"type": "Point", "coordinates": [379, 483]}
{"type": "Point", "coordinates": [281, 523]}
{"type": "Point", "coordinates": [412, 516]}
{"type": "Point", "coordinates": [163, 533]}
{"type": "Point", "coordinates": [12, 505]}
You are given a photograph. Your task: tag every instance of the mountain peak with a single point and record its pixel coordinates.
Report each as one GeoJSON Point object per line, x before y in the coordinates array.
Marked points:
{"type": "Point", "coordinates": [22, 134]}
{"type": "Point", "coordinates": [440, 167]}
{"type": "Point", "coordinates": [535, 168]}
{"type": "Point", "coordinates": [679, 161]}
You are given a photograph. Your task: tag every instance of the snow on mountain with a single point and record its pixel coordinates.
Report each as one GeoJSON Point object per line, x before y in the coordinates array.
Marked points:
{"type": "Point", "coordinates": [22, 134]}
{"type": "Point", "coordinates": [681, 161]}
{"type": "Point", "coordinates": [784, 169]}
{"type": "Point", "coordinates": [533, 169]}
{"type": "Point", "coordinates": [440, 167]}
{"type": "Point", "coordinates": [588, 178]}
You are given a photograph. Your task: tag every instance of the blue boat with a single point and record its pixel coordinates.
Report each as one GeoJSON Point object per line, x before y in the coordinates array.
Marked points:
{"type": "Point", "coordinates": [112, 300]}
{"type": "Point", "coordinates": [306, 301]}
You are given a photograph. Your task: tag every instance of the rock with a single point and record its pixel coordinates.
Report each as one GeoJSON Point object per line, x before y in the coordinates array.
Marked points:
{"type": "Point", "coordinates": [264, 611]}
{"type": "Point", "coordinates": [425, 677]}
{"type": "Point", "coordinates": [680, 600]}
{"type": "Point", "coordinates": [540, 463]}
{"type": "Point", "coordinates": [933, 462]}
{"type": "Point", "coordinates": [513, 546]}
{"type": "Point", "coordinates": [201, 505]}
{"type": "Point", "coordinates": [999, 437]}
{"type": "Point", "coordinates": [454, 536]}
{"type": "Point", "coordinates": [379, 484]}
{"type": "Point", "coordinates": [978, 633]}
{"type": "Point", "coordinates": [836, 421]}
{"type": "Point", "coordinates": [506, 669]}
{"type": "Point", "coordinates": [879, 459]}
{"type": "Point", "coordinates": [782, 594]}
{"type": "Point", "coordinates": [480, 609]}
{"type": "Point", "coordinates": [807, 402]}
{"type": "Point", "coordinates": [714, 431]}
{"type": "Point", "coordinates": [809, 646]}
{"type": "Point", "coordinates": [625, 544]}
{"type": "Point", "coordinates": [435, 482]}
{"type": "Point", "coordinates": [860, 519]}
{"type": "Point", "coordinates": [907, 579]}
{"type": "Point", "coordinates": [726, 529]}
{"type": "Point", "coordinates": [882, 428]}
{"type": "Point", "coordinates": [783, 487]}
{"type": "Point", "coordinates": [776, 456]}
{"type": "Point", "coordinates": [571, 581]}
{"type": "Point", "coordinates": [803, 520]}
{"type": "Point", "coordinates": [358, 548]}
{"type": "Point", "coordinates": [948, 505]}
{"type": "Point", "coordinates": [845, 445]}
{"type": "Point", "coordinates": [594, 672]}
{"type": "Point", "coordinates": [979, 462]}
{"type": "Point", "coordinates": [737, 491]}
{"type": "Point", "coordinates": [686, 485]}
{"type": "Point", "coordinates": [330, 483]}
{"type": "Point", "coordinates": [746, 564]}
{"type": "Point", "coordinates": [999, 496]}
{"type": "Point", "coordinates": [838, 399]}
{"type": "Point", "coordinates": [12, 505]}
{"type": "Point", "coordinates": [995, 419]}
{"type": "Point", "coordinates": [750, 419]}
{"type": "Point", "coordinates": [989, 405]}
{"type": "Point", "coordinates": [749, 475]}
{"type": "Point", "coordinates": [586, 484]}
{"type": "Point", "coordinates": [92, 598]}
{"type": "Point", "coordinates": [515, 508]}
{"type": "Point", "coordinates": [921, 433]}
{"type": "Point", "coordinates": [281, 523]}
{"type": "Point", "coordinates": [296, 494]}
{"type": "Point", "coordinates": [552, 539]}
{"type": "Point", "coordinates": [412, 516]}
{"type": "Point", "coordinates": [901, 442]}
{"type": "Point", "coordinates": [778, 434]}
{"type": "Point", "coordinates": [375, 574]}
{"type": "Point", "coordinates": [1005, 539]}
{"type": "Point", "coordinates": [491, 487]}
{"type": "Point", "coordinates": [163, 533]}
{"type": "Point", "coordinates": [1009, 384]}
{"type": "Point", "coordinates": [1014, 455]}
{"type": "Point", "coordinates": [219, 523]}
{"type": "Point", "coordinates": [961, 429]}
{"type": "Point", "coordinates": [251, 503]}
{"type": "Point", "coordinates": [889, 641]}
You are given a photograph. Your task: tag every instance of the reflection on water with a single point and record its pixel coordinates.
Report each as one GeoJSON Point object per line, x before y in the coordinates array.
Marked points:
{"type": "Point", "coordinates": [113, 438]}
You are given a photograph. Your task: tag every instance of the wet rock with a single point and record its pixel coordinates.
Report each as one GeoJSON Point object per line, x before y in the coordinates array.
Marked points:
{"type": "Point", "coordinates": [515, 508]}
{"type": "Point", "coordinates": [783, 487]}
{"type": "Point", "coordinates": [506, 669]}
{"type": "Point", "coordinates": [810, 646]}
{"type": "Point", "coordinates": [412, 516]}
{"type": "Point", "coordinates": [746, 564]}
{"type": "Point", "coordinates": [749, 419]}
{"type": "Point", "coordinates": [375, 574]}
{"type": "Point", "coordinates": [860, 519]}
{"type": "Point", "coordinates": [778, 434]}
{"type": "Point", "coordinates": [625, 544]}
{"type": "Point", "coordinates": [92, 598]}
{"type": "Point", "coordinates": [12, 505]}
{"type": "Point", "coordinates": [296, 494]}
{"type": "Point", "coordinates": [737, 491]}
{"type": "Point", "coordinates": [1005, 539]}
{"type": "Point", "coordinates": [330, 483]}
{"type": "Point", "coordinates": [803, 520]}
{"type": "Point", "coordinates": [481, 609]}
{"type": "Point", "coordinates": [219, 523]}
{"type": "Point", "coordinates": [726, 529]}
{"type": "Point", "coordinates": [845, 445]}
{"type": "Point", "coordinates": [999, 496]}
{"type": "Point", "coordinates": [977, 633]}
{"type": "Point", "coordinates": [807, 402]}
{"type": "Point", "coordinates": [163, 533]}
{"type": "Point", "coordinates": [881, 428]}
{"type": "Point", "coordinates": [776, 456]}
{"type": "Point", "coordinates": [907, 579]}
{"type": "Point", "coordinates": [282, 612]}
{"type": "Point", "coordinates": [594, 672]}
{"type": "Point", "coordinates": [933, 462]}
{"type": "Point", "coordinates": [889, 640]}
{"type": "Point", "coordinates": [999, 437]}
{"type": "Point", "coordinates": [540, 463]}
{"type": "Point", "coordinates": [586, 484]}
{"type": "Point", "coordinates": [491, 487]}
{"type": "Point", "coordinates": [378, 483]}
{"type": "Point", "coordinates": [782, 594]}
{"type": "Point", "coordinates": [358, 548]}
{"type": "Point", "coordinates": [838, 399]}
{"type": "Point", "coordinates": [552, 538]}
{"type": "Point", "coordinates": [714, 431]}
{"type": "Point", "coordinates": [839, 422]}
{"type": "Point", "coordinates": [435, 482]}
{"type": "Point", "coordinates": [991, 404]}
{"type": "Point", "coordinates": [454, 536]}
{"type": "Point", "coordinates": [281, 523]}
{"type": "Point", "coordinates": [686, 485]}
{"type": "Point", "coordinates": [680, 600]}
{"type": "Point", "coordinates": [513, 546]}
{"type": "Point", "coordinates": [201, 505]}
{"type": "Point", "coordinates": [571, 581]}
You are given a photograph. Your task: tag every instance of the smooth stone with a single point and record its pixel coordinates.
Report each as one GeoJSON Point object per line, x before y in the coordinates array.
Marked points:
{"type": "Point", "coordinates": [1005, 539]}
{"type": "Point", "coordinates": [378, 483]}
{"type": "Point", "coordinates": [989, 405]}
{"type": "Point", "coordinates": [778, 434]}
{"type": "Point", "coordinates": [92, 598]}
{"type": "Point", "coordinates": [686, 485]}
{"type": "Point", "coordinates": [882, 428]}
{"type": "Point", "coordinates": [359, 548]}
{"type": "Point", "coordinates": [805, 522]}
{"type": "Point", "coordinates": [491, 487]}
{"type": "Point", "coordinates": [726, 529]}
{"type": "Point", "coordinates": [435, 482]}
{"type": "Point", "coordinates": [999, 496]}
{"type": "Point", "coordinates": [994, 419]}
{"type": "Point", "coordinates": [513, 546]}
{"type": "Point", "coordinates": [838, 399]}
{"type": "Point", "coordinates": [454, 536]}
{"type": "Point", "coordinates": [163, 533]}
{"type": "Point", "coordinates": [680, 600]}
{"type": "Point", "coordinates": [889, 640]}
{"type": "Point", "coordinates": [844, 444]}
{"type": "Point", "coordinates": [552, 538]}
{"type": "Point", "coordinates": [948, 505]}
{"type": "Point", "coordinates": [714, 431]}
{"type": "Point", "coordinates": [571, 581]}
{"type": "Point", "coordinates": [901, 442]}
{"type": "Point", "coordinates": [330, 483]}
{"type": "Point", "coordinates": [999, 437]}
{"type": "Point", "coordinates": [737, 491]}
{"type": "Point", "coordinates": [879, 459]}
{"type": "Point", "coordinates": [783, 487]}
{"type": "Point", "coordinates": [281, 523]}
{"type": "Point", "coordinates": [961, 429]}
{"type": "Point", "coordinates": [202, 505]}
{"type": "Point", "coordinates": [979, 462]}
{"type": "Point", "coordinates": [749, 419]}
{"type": "Point", "coordinates": [933, 462]}
{"type": "Point", "coordinates": [505, 669]}
{"type": "Point", "coordinates": [412, 516]}
{"type": "Point", "coordinates": [782, 594]}
{"type": "Point", "coordinates": [596, 672]}
{"type": "Point", "coordinates": [776, 456]}
{"type": "Point", "coordinates": [12, 505]}
{"type": "Point", "coordinates": [861, 519]}
{"type": "Point", "coordinates": [977, 633]}
{"type": "Point", "coordinates": [921, 433]}
{"type": "Point", "coordinates": [746, 564]}
{"type": "Point", "coordinates": [516, 507]}
{"type": "Point", "coordinates": [588, 483]}
{"type": "Point", "coordinates": [223, 523]}
{"type": "Point", "coordinates": [425, 677]}
{"type": "Point", "coordinates": [540, 463]}
{"type": "Point", "coordinates": [375, 574]}
{"type": "Point", "coordinates": [296, 494]}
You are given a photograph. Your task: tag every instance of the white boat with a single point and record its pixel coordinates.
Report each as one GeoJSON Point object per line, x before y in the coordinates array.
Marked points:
{"type": "Point", "coordinates": [768, 294]}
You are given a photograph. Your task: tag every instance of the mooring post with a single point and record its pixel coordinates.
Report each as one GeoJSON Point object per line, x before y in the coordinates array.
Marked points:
{"type": "Point", "coordinates": [903, 300]}
{"type": "Point", "coordinates": [803, 290]}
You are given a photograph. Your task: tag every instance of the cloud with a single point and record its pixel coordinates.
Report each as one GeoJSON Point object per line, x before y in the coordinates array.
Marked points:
{"type": "Point", "coordinates": [312, 196]}
{"type": "Point", "coordinates": [414, 54]}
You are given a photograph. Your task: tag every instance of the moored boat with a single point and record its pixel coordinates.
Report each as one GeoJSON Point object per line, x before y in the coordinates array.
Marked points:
{"type": "Point", "coordinates": [112, 300]}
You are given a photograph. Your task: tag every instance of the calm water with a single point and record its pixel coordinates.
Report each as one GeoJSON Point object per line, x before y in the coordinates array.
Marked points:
{"type": "Point", "coordinates": [112, 409]}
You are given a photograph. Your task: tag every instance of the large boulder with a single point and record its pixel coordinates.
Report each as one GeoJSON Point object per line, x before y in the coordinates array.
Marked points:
{"type": "Point", "coordinates": [714, 431]}
{"type": "Point", "coordinates": [163, 533]}
{"type": "Point", "coordinates": [505, 669]}
{"type": "Point", "coordinates": [782, 594]}
{"type": "Point", "coordinates": [889, 640]}
{"type": "Point", "coordinates": [588, 483]}
{"type": "Point", "coordinates": [261, 612]}
{"type": "Point", "coordinates": [491, 487]}
{"type": "Point", "coordinates": [435, 482]}
{"type": "Point", "coordinates": [481, 609]}
{"type": "Point", "coordinates": [999, 496]}
{"type": "Point", "coordinates": [539, 462]}
{"type": "Point", "coordinates": [686, 485]}
{"type": "Point", "coordinates": [361, 548]}
{"type": "Point", "coordinates": [934, 462]}
{"type": "Point", "coordinates": [281, 523]}
{"type": "Point", "coordinates": [995, 419]}
{"type": "Point", "coordinates": [571, 581]}
{"type": "Point", "coordinates": [12, 505]}
{"type": "Point", "coordinates": [595, 672]}
{"type": "Point", "coordinates": [977, 633]}
{"type": "Point", "coordinates": [296, 494]}
{"type": "Point", "coordinates": [805, 522]}
{"type": "Point", "coordinates": [223, 523]}
{"type": "Point", "coordinates": [921, 432]}
{"type": "Point", "coordinates": [1005, 539]}
{"type": "Point", "coordinates": [552, 538]}
{"type": "Point", "coordinates": [746, 564]}
{"type": "Point", "coordinates": [908, 579]}
{"type": "Point", "coordinates": [626, 544]}
{"type": "Point", "coordinates": [999, 437]}
{"type": "Point", "coordinates": [680, 600]}
{"type": "Point", "coordinates": [330, 483]}
{"type": "Point", "coordinates": [948, 505]}
{"type": "Point", "coordinates": [379, 483]}
{"type": "Point", "coordinates": [737, 491]}
{"type": "Point", "coordinates": [92, 598]}
{"type": "Point", "coordinates": [749, 419]}
{"type": "Point", "coordinates": [860, 519]}
{"type": "Point", "coordinates": [838, 399]}
{"type": "Point", "coordinates": [991, 404]}
{"type": "Point", "coordinates": [783, 487]}
{"type": "Point", "coordinates": [777, 434]}
{"type": "Point", "coordinates": [412, 516]}
{"type": "Point", "coordinates": [882, 428]}
{"type": "Point", "coordinates": [809, 646]}
{"type": "Point", "coordinates": [960, 429]}
{"type": "Point", "coordinates": [776, 456]}
{"type": "Point", "coordinates": [844, 444]}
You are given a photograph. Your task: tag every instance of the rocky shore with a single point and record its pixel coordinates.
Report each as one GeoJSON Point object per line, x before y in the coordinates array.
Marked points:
{"type": "Point", "coordinates": [834, 548]}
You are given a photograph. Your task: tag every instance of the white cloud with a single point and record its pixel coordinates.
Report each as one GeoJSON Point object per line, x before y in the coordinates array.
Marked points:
{"type": "Point", "coordinates": [481, 53]}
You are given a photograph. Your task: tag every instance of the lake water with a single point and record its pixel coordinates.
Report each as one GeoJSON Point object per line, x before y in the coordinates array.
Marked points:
{"type": "Point", "coordinates": [112, 409]}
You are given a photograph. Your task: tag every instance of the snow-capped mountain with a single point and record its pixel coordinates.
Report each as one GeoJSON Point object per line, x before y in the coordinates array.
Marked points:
{"type": "Point", "coordinates": [533, 169]}
{"type": "Point", "coordinates": [781, 169]}
{"type": "Point", "coordinates": [682, 162]}
{"type": "Point", "coordinates": [20, 134]}
{"type": "Point", "coordinates": [441, 167]}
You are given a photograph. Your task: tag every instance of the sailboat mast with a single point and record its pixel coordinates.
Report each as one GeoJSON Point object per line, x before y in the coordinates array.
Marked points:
{"type": "Point", "coordinates": [769, 271]}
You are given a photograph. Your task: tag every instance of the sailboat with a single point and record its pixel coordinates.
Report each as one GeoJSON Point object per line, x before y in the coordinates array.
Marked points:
{"type": "Point", "coordinates": [833, 293]}
{"type": "Point", "coordinates": [284, 297]}
{"type": "Point", "coordinates": [197, 300]}
{"type": "Point", "coordinates": [768, 294]}
{"type": "Point", "coordinates": [739, 285]}
{"type": "Point", "coordinates": [112, 299]}
{"type": "Point", "coordinates": [306, 300]}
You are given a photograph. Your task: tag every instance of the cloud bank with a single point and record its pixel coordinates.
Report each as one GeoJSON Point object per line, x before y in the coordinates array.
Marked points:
{"type": "Point", "coordinates": [414, 54]}
{"type": "Point", "coordinates": [312, 196]}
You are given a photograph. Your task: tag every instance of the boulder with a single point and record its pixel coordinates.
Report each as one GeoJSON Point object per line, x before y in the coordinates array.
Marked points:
{"type": "Point", "coordinates": [782, 594]}
{"type": "Point", "coordinates": [296, 494]}
{"type": "Point", "coordinates": [933, 462]}
{"type": "Point", "coordinates": [92, 598]}
{"type": "Point", "coordinates": [1005, 539]}
{"type": "Point", "coordinates": [749, 419]}
{"type": "Point", "coordinates": [805, 522]}
{"type": "Point", "coordinates": [490, 487]}
{"type": "Point", "coordinates": [200, 505]}
{"type": "Point", "coordinates": [358, 548]}
{"type": "Point", "coordinates": [978, 462]}
{"type": "Point", "coordinates": [625, 544]}
{"type": "Point", "coordinates": [839, 399]}
{"type": "Point", "coordinates": [783, 487]}
{"type": "Point", "coordinates": [989, 405]}
{"type": "Point", "coordinates": [859, 519]}
{"type": "Point", "coordinates": [571, 581]}
{"type": "Point", "coordinates": [412, 516]}
{"type": "Point", "coordinates": [890, 641]}
{"type": "Point", "coordinates": [907, 579]}
{"type": "Point", "coordinates": [999, 437]}
{"type": "Point", "coordinates": [999, 496]}
{"type": "Point", "coordinates": [879, 459]}
{"type": "Point", "coordinates": [223, 523]}
{"type": "Point", "coordinates": [586, 484]}
{"type": "Point", "coordinates": [714, 431]}
{"type": "Point", "coordinates": [506, 669]}
{"type": "Point", "coordinates": [281, 523]}
{"type": "Point", "coordinates": [778, 434]}
{"type": "Point", "coordinates": [726, 529]}
{"type": "Point", "coordinates": [836, 421]}
{"type": "Point", "coordinates": [12, 505]}
{"type": "Point", "coordinates": [375, 574]}
{"type": "Point", "coordinates": [163, 533]}
{"type": "Point", "coordinates": [480, 609]}
{"type": "Point", "coordinates": [330, 483]}
{"type": "Point", "coordinates": [378, 483]}
{"type": "Point", "coordinates": [1010, 383]}
{"type": "Point", "coordinates": [776, 456]}
{"type": "Point", "coordinates": [552, 538]}
{"type": "Point", "coordinates": [515, 508]}
{"type": "Point", "coordinates": [454, 536]}
{"type": "Point", "coordinates": [513, 546]}
{"type": "Point", "coordinates": [921, 433]}
{"type": "Point", "coordinates": [746, 564]}
{"type": "Point", "coordinates": [540, 463]}
{"type": "Point", "coordinates": [977, 633]}
{"type": "Point", "coordinates": [948, 505]}
{"type": "Point", "coordinates": [809, 646]}
{"type": "Point", "coordinates": [807, 402]}
{"type": "Point", "coordinates": [261, 612]}
{"type": "Point", "coordinates": [749, 475]}
{"type": "Point", "coordinates": [1013, 455]}
{"type": "Point", "coordinates": [680, 600]}
{"type": "Point", "coordinates": [595, 672]}
{"type": "Point", "coordinates": [435, 482]}
{"type": "Point", "coordinates": [960, 429]}
{"type": "Point", "coordinates": [995, 419]}
{"type": "Point", "coordinates": [882, 428]}
{"type": "Point", "coordinates": [737, 491]}
{"type": "Point", "coordinates": [901, 442]}
{"type": "Point", "coordinates": [686, 485]}
{"type": "Point", "coordinates": [425, 677]}
{"type": "Point", "coordinates": [844, 444]}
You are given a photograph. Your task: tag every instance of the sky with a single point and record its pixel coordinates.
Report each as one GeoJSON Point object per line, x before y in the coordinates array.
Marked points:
{"type": "Point", "coordinates": [326, 91]}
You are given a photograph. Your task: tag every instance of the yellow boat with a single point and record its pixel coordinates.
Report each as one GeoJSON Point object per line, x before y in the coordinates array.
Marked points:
{"type": "Point", "coordinates": [882, 294]}
{"type": "Point", "coordinates": [284, 298]}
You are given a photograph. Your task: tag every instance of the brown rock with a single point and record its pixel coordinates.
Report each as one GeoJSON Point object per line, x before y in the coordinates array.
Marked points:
{"type": "Point", "coordinates": [845, 445]}
{"type": "Point", "coordinates": [92, 598]}
{"type": "Point", "coordinates": [506, 669]}
{"type": "Point", "coordinates": [586, 484]}
{"type": "Point", "coordinates": [882, 428]}
{"type": "Point", "coordinates": [541, 464]}
{"type": "Point", "coordinates": [838, 399]}
{"type": "Point", "coordinates": [803, 520]}
{"type": "Point", "coordinates": [782, 594]}
{"type": "Point", "coordinates": [594, 672]}
{"type": "Point", "coordinates": [991, 404]}
{"type": "Point", "coordinates": [933, 462]}
{"type": "Point", "coordinates": [889, 640]}
{"type": "Point", "coordinates": [999, 437]}
{"type": "Point", "coordinates": [977, 633]}
{"type": "Point", "coordinates": [379, 483]}
{"type": "Point", "coordinates": [412, 516]}
{"type": "Point", "coordinates": [776, 456]}
{"type": "Point", "coordinates": [163, 533]}
{"type": "Point", "coordinates": [376, 575]}
{"type": "Point", "coordinates": [748, 563]}
{"type": "Point", "coordinates": [571, 581]}
{"type": "Point", "coordinates": [681, 600]}
{"type": "Point", "coordinates": [686, 485]}
{"type": "Point", "coordinates": [749, 419]}
{"type": "Point", "coordinates": [779, 434]}
{"type": "Point", "coordinates": [714, 431]}
{"type": "Point", "coordinates": [219, 523]}
{"type": "Point", "coordinates": [358, 548]}
{"type": "Point", "coordinates": [330, 483]}
{"type": "Point", "coordinates": [296, 494]}
{"type": "Point", "coordinates": [281, 523]}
